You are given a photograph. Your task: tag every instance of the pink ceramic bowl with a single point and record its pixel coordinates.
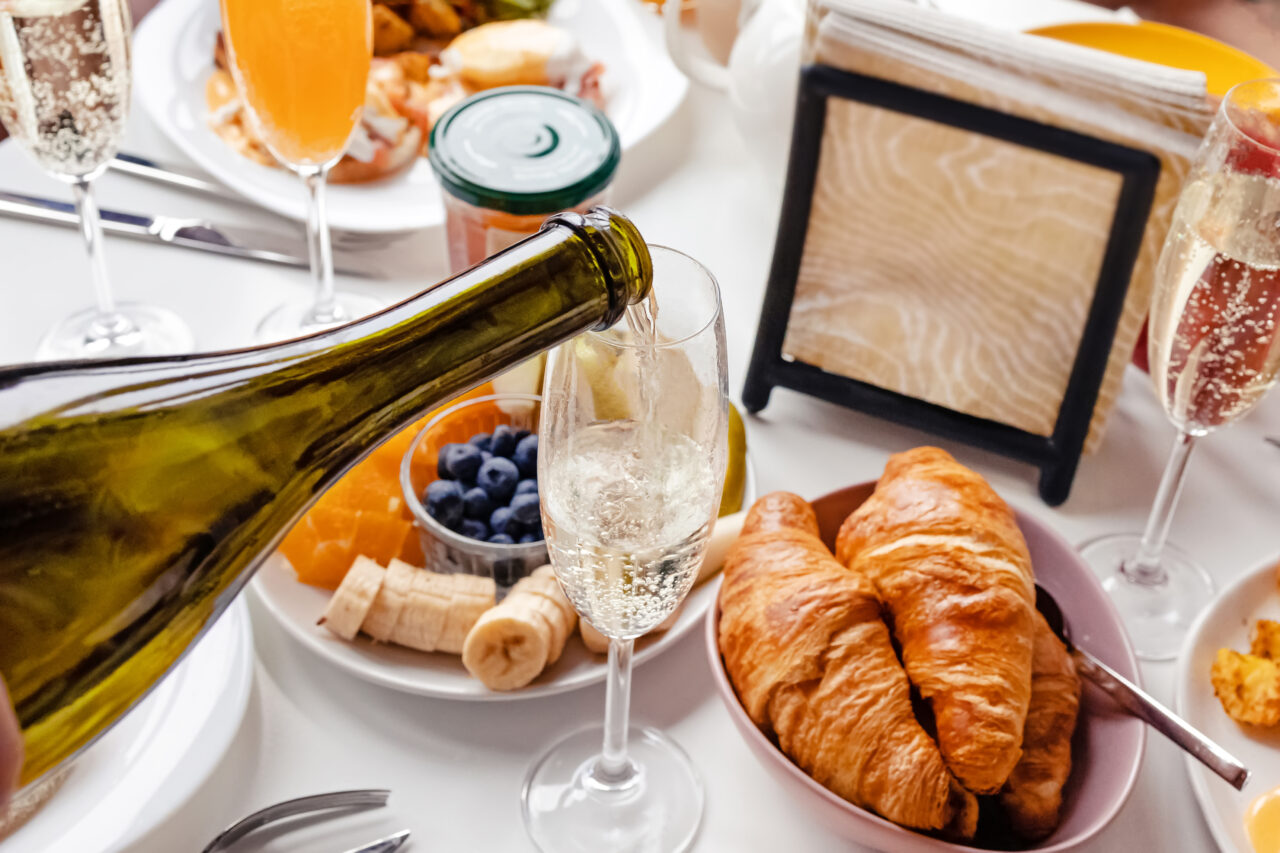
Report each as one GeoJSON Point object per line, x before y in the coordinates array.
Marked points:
{"type": "Point", "coordinates": [1107, 749]}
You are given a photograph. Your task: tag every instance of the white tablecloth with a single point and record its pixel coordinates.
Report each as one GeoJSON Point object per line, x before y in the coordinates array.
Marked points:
{"type": "Point", "coordinates": [455, 768]}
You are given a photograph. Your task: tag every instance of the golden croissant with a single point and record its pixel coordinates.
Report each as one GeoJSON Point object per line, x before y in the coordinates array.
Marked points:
{"type": "Point", "coordinates": [950, 565]}
{"type": "Point", "coordinates": [808, 652]}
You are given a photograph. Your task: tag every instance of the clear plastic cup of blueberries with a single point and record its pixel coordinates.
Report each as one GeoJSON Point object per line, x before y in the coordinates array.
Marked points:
{"type": "Point", "coordinates": [470, 479]}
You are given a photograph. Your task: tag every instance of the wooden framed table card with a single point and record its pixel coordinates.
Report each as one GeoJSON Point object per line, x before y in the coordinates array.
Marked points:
{"type": "Point", "coordinates": [924, 289]}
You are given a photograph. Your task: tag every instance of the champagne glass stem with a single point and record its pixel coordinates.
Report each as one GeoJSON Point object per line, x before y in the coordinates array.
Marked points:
{"type": "Point", "coordinates": [1146, 568]}
{"type": "Point", "coordinates": [326, 309]}
{"type": "Point", "coordinates": [615, 767]}
{"type": "Point", "coordinates": [110, 323]}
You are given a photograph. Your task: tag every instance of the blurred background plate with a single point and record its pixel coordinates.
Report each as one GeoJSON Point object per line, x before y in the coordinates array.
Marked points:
{"type": "Point", "coordinates": [1223, 65]}
{"type": "Point", "coordinates": [149, 765]}
{"type": "Point", "coordinates": [173, 57]}
{"type": "Point", "coordinates": [1227, 623]}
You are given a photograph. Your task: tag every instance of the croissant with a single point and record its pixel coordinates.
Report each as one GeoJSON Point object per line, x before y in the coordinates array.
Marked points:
{"type": "Point", "coordinates": [1033, 793]}
{"type": "Point", "coordinates": [813, 664]}
{"type": "Point", "coordinates": [952, 569]}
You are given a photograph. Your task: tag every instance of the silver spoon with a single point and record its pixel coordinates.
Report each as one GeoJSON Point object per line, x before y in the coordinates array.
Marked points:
{"type": "Point", "coordinates": [1132, 699]}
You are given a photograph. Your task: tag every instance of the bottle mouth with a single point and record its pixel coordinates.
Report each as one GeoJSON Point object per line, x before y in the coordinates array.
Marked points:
{"type": "Point", "coordinates": [620, 250]}
{"type": "Point", "coordinates": [699, 322]}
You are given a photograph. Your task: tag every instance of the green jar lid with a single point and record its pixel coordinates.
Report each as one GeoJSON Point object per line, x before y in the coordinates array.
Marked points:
{"type": "Point", "coordinates": [524, 150]}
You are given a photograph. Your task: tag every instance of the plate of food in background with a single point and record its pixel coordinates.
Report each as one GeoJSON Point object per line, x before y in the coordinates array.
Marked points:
{"type": "Point", "coordinates": [1229, 688]}
{"type": "Point", "coordinates": [428, 55]}
{"type": "Point", "coordinates": [418, 571]}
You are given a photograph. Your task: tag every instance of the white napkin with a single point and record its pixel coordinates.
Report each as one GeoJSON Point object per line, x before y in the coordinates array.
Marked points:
{"type": "Point", "coordinates": [1066, 78]}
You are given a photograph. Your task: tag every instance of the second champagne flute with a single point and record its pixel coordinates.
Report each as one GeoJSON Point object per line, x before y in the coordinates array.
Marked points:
{"type": "Point", "coordinates": [631, 460]}
{"type": "Point", "coordinates": [1214, 348]}
{"type": "Point", "coordinates": [301, 67]}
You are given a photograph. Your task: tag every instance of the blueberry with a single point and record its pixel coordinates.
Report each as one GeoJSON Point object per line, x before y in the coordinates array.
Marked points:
{"type": "Point", "coordinates": [480, 440]}
{"type": "Point", "coordinates": [530, 537]}
{"type": "Point", "coordinates": [524, 509]}
{"type": "Point", "coordinates": [501, 539]}
{"type": "Point", "coordinates": [527, 487]}
{"type": "Point", "coordinates": [498, 477]}
{"type": "Point", "coordinates": [444, 502]}
{"type": "Point", "coordinates": [442, 462]}
{"type": "Point", "coordinates": [500, 519]}
{"type": "Point", "coordinates": [526, 456]}
{"type": "Point", "coordinates": [476, 504]}
{"type": "Point", "coordinates": [503, 441]}
{"type": "Point", "coordinates": [462, 460]}
{"type": "Point", "coordinates": [474, 529]}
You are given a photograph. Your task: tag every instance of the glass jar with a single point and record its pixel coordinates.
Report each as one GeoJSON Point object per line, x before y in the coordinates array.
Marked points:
{"type": "Point", "coordinates": [508, 158]}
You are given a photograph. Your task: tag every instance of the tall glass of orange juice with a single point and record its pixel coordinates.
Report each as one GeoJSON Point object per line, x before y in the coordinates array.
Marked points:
{"type": "Point", "coordinates": [301, 67]}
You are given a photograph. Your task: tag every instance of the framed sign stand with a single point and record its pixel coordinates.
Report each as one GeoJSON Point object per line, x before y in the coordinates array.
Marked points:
{"type": "Point", "coordinates": [1056, 455]}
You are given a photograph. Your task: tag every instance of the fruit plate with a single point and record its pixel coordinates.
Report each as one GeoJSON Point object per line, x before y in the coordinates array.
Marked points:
{"type": "Point", "coordinates": [1227, 623]}
{"type": "Point", "coordinates": [297, 606]}
{"type": "Point", "coordinates": [173, 57]}
{"type": "Point", "coordinates": [146, 767]}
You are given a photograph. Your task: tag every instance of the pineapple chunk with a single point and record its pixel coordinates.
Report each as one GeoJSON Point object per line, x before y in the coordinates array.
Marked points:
{"type": "Point", "coordinates": [1248, 686]}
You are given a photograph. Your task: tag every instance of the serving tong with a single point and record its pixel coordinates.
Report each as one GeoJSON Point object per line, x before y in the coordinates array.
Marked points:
{"type": "Point", "coordinates": [339, 801]}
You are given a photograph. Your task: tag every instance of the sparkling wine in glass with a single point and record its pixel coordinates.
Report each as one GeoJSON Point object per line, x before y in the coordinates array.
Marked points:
{"type": "Point", "coordinates": [64, 96]}
{"type": "Point", "coordinates": [1213, 348]}
{"type": "Point", "coordinates": [632, 452]}
{"type": "Point", "coordinates": [301, 67]}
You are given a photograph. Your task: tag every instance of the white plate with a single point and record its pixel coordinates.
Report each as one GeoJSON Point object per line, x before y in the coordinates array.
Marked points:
{"type": "Point", "coordinates": [173, 56]}
{"type": "Point", "coordinates": [1227, 622]}
{"type": "Point", "coordinates": [297, 606]}
{"type": "Point", "coordinates": [149, 765]}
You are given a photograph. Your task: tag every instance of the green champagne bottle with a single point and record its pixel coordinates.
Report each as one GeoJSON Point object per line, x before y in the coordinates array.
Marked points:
{"type": "Point", "coordinates": [138, 496]}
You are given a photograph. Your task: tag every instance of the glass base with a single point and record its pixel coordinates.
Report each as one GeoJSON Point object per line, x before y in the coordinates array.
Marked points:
{"type": "Point", "coordinates": [297, 318]}
{"type": "Point", "coordinates": [1157, 610]}
{"type": "Point", "coordinates": [135, 329]}
{"type": "Point", "coordinates": [568, 808]}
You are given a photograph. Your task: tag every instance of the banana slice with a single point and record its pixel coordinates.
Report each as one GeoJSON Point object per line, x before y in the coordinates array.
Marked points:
{"type": "Point", "coordinates": [472, 585]}
{"type": "Point", "coordinates": [599, 643]}
{"type": "Point", "coordinates": [548, 587]}
{"type": "Point", "coordinates": [392, 598]}
{"type": "Point", "coordinates": [353, 598]}
{"type": "Point", "coordinates": [558, 624]}
{"type": "Point", "coordinates": [506, 650]}
{"type": "Point", "coordinates": [422, 619]}
{"type": "Point", "coordinates": [591, 638]}
{"type": "Point", "coordinates": [465, 610]}
{"type": "Point", "coordinates": [723, 535]}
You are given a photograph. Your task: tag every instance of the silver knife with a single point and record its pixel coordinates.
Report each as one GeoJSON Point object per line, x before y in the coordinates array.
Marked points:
{"type": "Point", "coordinates": [141, 167]}
{"type": "Point", "coordinates": [235, 241]}
{"type": "Point", "coordinates": [383, 845]}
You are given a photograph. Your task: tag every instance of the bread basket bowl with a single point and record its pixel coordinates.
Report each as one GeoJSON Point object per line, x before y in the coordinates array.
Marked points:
{"type": "Point", "coordinates": [1106, 751]}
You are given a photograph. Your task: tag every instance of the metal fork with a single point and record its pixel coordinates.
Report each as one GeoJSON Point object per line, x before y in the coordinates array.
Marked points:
{"type": "Point", "coordinates": [358, 800]}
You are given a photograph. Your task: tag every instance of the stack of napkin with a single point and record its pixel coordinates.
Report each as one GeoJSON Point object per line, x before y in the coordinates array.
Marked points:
{"type": "Point", "coordinates": [957, 268]}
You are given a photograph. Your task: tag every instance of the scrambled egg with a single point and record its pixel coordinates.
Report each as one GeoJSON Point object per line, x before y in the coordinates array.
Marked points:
{"type": "Point", "coordinates": [1248, 685]}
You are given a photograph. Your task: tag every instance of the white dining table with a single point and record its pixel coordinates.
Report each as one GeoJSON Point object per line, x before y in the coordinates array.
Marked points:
{"type": "Point", "coordinates": [455, 768]}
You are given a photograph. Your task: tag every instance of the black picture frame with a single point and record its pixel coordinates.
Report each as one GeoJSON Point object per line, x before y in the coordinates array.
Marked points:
{"type": "Point", "coordinates": [1057, 455]}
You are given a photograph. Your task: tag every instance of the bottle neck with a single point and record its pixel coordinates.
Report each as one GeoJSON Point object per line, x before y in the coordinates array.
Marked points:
{"type": "Point", "coordinates": [579, 272]}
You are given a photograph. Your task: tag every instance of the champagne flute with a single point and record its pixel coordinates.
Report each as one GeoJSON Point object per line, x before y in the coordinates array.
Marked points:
{"type": "Point", "coordinates": [632, 451]}
{"type": "Point", "coordinates": [301, 67]}
{"type": "Point", "coordinates": [1213, 348]}
{"type": "Point", "coordinates": [64, 96]}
